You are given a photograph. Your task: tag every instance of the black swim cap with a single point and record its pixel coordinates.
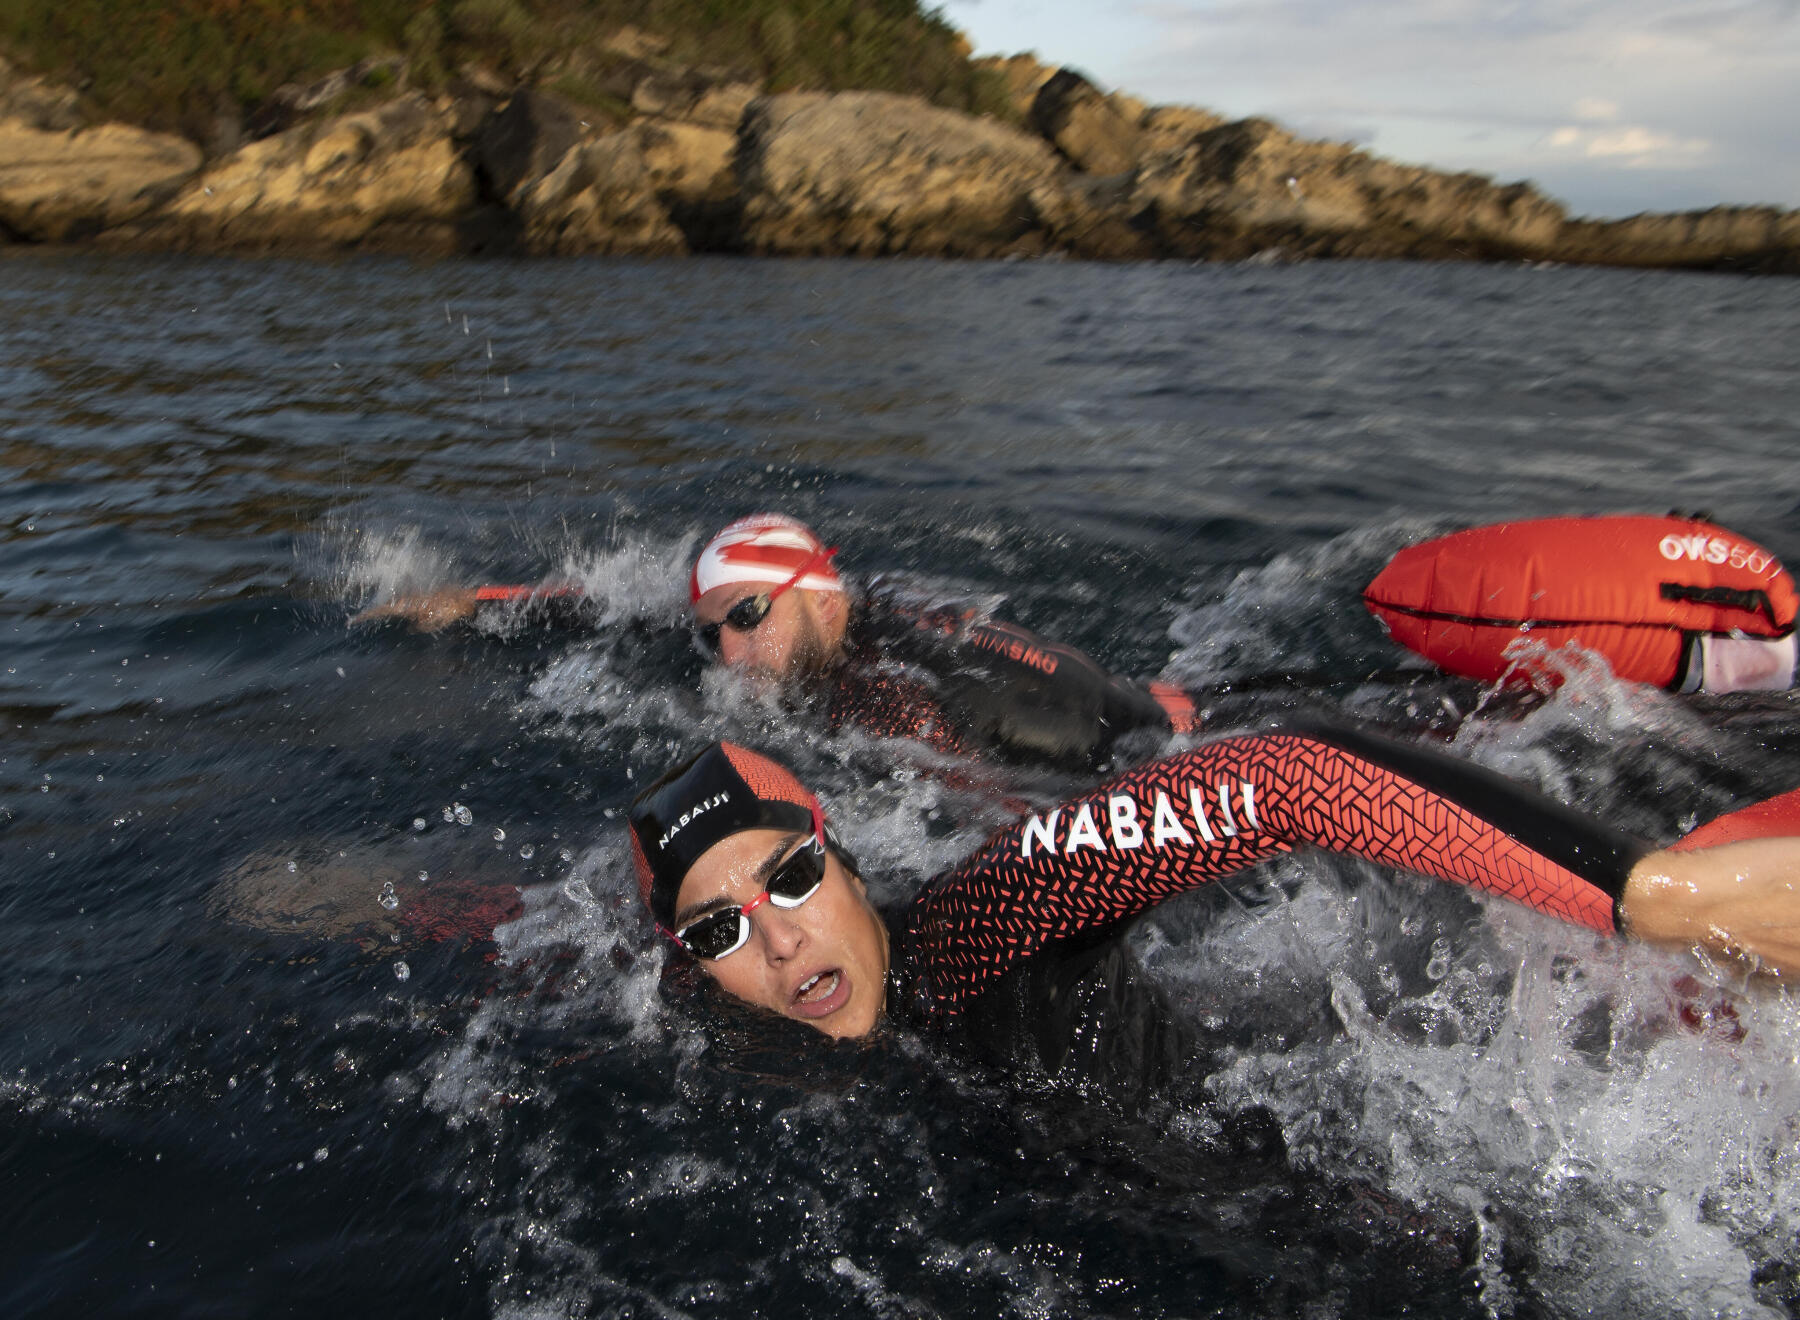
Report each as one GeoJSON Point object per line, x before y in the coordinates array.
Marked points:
{"type": "Point", "coordinates": [720, 792]}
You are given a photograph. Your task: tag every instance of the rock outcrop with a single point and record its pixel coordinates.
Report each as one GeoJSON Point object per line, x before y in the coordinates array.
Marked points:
{"type": "Point", "coordinates": [1091, 132]}
{"type": "Point", "coordinates": [662, 159]}
{"type": "Point", "coordinates": [60, 181]}
{"type": "Point", "coordinates": [1757, 238]}
{"type": "Point", "coordinates": [390, 178]}
{"type": "Point", "coordinates": [871, 174]}
{"type": "Point", "coordinates": [651, 189]}
{"type": "Point", "coordinates": [56, 187]}
{"type": "Point", "coordinates": [1246, 187]}
{"type": "Point", "coordinates": [288, 104]}
{"type": "Point", "coordinates": [524, 140]}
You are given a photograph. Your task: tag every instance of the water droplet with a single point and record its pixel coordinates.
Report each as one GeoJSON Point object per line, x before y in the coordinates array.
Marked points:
{"type": "Point", "coordinates": [418, 822]}
{"type": "Point", "coordinates": [449, 816]}
{"type": "Point", "coordinates": [527, 851]}
{"type": "Point", "coordinates": [320, 1155]}
{"type": "Point", "coordinates": [292, 867]}
{"type": "Point", "coordinates": [424, 877]}
{"type": "Point", "coordinates": [463, 815]}
{"type": "Point", "coordinates": [401, 971]}
{"type": "Point", "coordinates": [499, 835]}
{"type": "Point", "coordinates": [1439, 966]}
{"type": "Point", "coordinates": [389, 899]}
{"type": "Point", "coordinates": [567, 854]}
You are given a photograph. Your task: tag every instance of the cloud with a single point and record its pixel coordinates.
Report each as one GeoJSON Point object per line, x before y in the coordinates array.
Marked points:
{"type": "Point", "coordinates": [1635, 147]}
{"type": "Point", "coordinates": [1596, 107]}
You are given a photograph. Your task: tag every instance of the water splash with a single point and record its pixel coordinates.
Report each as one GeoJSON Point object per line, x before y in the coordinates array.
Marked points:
{"type": "Point", "coordinates": [375, 567]}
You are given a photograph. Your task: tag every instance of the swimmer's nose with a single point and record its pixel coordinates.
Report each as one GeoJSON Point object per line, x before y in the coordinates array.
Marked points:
{"type": "Point", "coordinates": [734, 647]}
{"type": "Point", "coordinates": [782, 935]}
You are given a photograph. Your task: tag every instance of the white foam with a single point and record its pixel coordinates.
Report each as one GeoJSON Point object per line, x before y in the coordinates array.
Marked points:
{"type": "Point", "coordinates": [374, 567]}
{"type": "Point", "coordinates": [1647, 1162]}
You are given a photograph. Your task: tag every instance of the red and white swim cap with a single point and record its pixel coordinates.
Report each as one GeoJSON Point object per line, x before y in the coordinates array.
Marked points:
{"type": "Point", "coordinates": [765, 547]}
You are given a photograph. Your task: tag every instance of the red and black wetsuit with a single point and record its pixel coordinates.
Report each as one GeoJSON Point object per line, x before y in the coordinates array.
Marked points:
{"type": "Point", "coordinates": [966, 684]}
{"type": "Point", "coordinates": [1006, 949]}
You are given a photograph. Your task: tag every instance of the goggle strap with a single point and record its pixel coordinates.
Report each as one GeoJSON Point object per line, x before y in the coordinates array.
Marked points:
{"type": "Point", "coordinates": [819, 557]}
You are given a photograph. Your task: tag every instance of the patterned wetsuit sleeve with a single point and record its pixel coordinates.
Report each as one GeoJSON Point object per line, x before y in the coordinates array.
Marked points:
{"type": "Point", "coordinates": [1177, 823]}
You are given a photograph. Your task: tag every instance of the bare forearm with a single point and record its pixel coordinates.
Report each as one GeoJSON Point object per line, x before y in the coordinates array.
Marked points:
{"type": "Point", "coordinates": [436, 610]}
{"type": "Point", "coordinates": [1739, 901]}
{"type": "Point", "coordinates": [431, 612]}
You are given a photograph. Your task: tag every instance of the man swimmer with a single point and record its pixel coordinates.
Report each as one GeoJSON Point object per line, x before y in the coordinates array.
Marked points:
{"type": "Point", "coordinates": [768, 601]}
{"type": "Point", "coordinates": [735, 862]}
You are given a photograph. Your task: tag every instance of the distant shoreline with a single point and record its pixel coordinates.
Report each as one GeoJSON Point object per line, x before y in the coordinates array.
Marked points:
{"type": "Point", "coordinates": [696, 160]}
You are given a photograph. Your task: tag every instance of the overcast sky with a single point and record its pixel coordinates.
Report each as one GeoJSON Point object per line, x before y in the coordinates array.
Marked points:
{"type": "Point", "coordinates": [1612, 106]}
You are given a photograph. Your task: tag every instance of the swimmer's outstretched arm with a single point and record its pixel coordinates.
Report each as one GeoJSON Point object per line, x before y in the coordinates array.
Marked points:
{"type": "Point", "coordinates": [1210, 812]}
{"type": "Point", "coordinates": [1738, 900]}
{"type": "Point", "coordinates": [433, 611]}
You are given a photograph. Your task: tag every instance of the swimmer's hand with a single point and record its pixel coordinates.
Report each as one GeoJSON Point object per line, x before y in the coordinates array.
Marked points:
{"type": "Point", "coordinates": [429, 613]}
{"type": "Point", "coordinates": [1739, 901]}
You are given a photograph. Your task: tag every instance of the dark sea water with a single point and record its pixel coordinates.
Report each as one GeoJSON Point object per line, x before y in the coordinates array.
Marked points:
{"type": "Point", "coordinates": [264, 1053]}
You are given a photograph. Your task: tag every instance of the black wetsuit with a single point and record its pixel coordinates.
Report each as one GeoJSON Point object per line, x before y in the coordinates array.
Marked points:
{"type": "Point", "coordinates": [1016, 953]}
{"type": "Point", "coordinates": [967, 684]}
{"type": "Point", "coordinates": [957, 681]}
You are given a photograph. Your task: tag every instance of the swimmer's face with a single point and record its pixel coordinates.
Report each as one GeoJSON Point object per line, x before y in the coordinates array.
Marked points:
{"type": "Point", "coordinates": [823, 963]}
{"type": "Point", "coordinates": [791, 641]}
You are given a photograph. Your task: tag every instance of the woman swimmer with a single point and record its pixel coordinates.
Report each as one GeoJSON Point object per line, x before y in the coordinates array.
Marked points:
{"type": "Point", "coordinates": [735, 862]}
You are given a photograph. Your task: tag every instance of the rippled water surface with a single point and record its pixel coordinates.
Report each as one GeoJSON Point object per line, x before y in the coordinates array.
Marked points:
{"type": "Point", "coordinates": [326, 989]}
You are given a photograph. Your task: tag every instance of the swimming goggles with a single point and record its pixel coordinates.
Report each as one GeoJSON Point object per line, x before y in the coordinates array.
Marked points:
{"type": "Point", "coordinates": [795, 879]}
{"type": "Point", "coordinates": [747, 614]}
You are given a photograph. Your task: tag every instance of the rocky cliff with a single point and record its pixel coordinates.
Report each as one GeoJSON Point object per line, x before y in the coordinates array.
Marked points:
{"type": "Point", "coordinates": [703, 163]}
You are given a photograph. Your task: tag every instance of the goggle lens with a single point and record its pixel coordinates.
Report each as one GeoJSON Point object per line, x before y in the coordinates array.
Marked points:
{"type": "Point", "coordinates": [745, 616]}
{"type": "Point", "coordinates": [799, 876]}
{"type": "Point", "coordinates": [795, 880]}
{"type": "Point", "coordinates": [716, 934]}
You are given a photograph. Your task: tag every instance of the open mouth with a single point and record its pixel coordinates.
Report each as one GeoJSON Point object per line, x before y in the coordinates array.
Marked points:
{"type": "Point", "coordinates": [821, 994]}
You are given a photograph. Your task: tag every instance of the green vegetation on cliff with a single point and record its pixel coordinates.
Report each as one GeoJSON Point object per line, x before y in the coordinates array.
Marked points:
{"type": "Point", "coordinates": [189, 65]}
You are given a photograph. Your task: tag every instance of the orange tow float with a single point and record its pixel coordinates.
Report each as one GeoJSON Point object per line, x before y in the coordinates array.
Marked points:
{"type": "Point", "coordinates": [1678, 602]}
